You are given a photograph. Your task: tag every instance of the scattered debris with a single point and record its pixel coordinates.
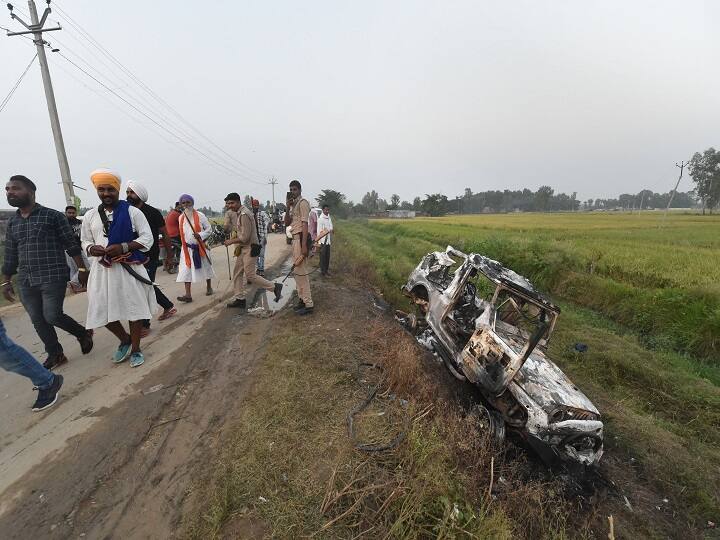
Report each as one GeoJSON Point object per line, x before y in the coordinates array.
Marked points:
{"type": "Point", "coordinates": [262, 499]}
{"type": "Point", "coordinates": [153, 389]}
{"type": "Point", "coordinates": [627, 503]}
{"type": "Point", "coordinates": [490, 326]}
{"type": "Point", "coordinates": [581, 347]}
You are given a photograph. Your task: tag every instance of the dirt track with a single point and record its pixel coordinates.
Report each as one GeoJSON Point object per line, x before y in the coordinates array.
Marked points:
{"type": "Point", "coordinates": [123, 442]}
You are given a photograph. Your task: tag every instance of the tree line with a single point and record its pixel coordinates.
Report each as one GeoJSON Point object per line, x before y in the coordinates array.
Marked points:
{"type": "Point", "coordinates": [704, 169]}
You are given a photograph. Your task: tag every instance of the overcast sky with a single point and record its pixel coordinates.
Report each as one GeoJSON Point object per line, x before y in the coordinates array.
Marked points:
{"type": "Point", "coordinates": [407, 97]}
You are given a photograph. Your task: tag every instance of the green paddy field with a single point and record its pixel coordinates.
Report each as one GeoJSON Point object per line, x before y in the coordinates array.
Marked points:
{"type": "Point", "coordinates": [644, 296]}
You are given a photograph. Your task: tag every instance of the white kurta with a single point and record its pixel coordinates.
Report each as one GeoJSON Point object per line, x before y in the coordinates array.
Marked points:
{"type": "Point", "coordinates": [190, 273]}
{"type": "Point", "coordinates": [113, 294]}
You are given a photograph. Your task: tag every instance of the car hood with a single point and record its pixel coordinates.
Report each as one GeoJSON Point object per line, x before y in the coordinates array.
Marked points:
{"type": "Point", "coordinates": [549, 387]}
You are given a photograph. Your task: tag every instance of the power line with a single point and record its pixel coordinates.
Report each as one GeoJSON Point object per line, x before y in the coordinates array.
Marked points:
{"type": "Point", "coordinates": [12, 91]}
{"type": "Point", "coordinates": [99, 46]}
{"type": "Point", "coordinates": [158, 124]}
{"type": "Point", "coordinates": [149, 110]}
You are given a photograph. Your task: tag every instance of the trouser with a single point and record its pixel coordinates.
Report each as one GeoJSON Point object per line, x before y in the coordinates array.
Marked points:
{"type": "Point", "coordinates": [44, 304]}
{"type": "Point", "coordinates": [261, 257]}
{"type": "Point", "coordinates": [246, 270]}
{"type": "Point", "coordinates": [301, 272]}
{"type": "Point", "coordinates": [324, 258]}
{"type": "Point", "coordinates": [162, 300]}
{"type": "Point", "coordinates": [16, 359]}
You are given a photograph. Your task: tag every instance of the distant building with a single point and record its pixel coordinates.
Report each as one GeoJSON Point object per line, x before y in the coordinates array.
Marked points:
{"type": "Point", "coordinates": [401, 214]}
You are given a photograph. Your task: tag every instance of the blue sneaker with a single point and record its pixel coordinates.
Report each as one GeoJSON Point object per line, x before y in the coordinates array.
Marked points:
{"type": "Point", "coordinates": [137, 359]}
{"type": "Point", "coordinates": [122, 353]}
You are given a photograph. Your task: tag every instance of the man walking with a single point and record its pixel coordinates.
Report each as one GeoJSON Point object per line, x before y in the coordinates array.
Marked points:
{"type": "Point", "coordinates": [36, 241]}
{"type": "Point", "coordinates": [262, 221]}
{"type": "Point", "coordinates": [15, 359]}
{"type": "Point", "coordinates": [137, 195]}
{"type": "Point", "coordinates": [324, 233]}
{"type": "Point", "coordinates": [245, 264]}
{"type": "Point", "coordinates": [75, 224]}
{"type": "Point", "coordinates": [119, 289]}
{"type": "Point", "coordinates": [297, 217]}
{"type": "Point", "coordinates": [172, 227]}
{"type": "Point", "coordinates": [195, 264]}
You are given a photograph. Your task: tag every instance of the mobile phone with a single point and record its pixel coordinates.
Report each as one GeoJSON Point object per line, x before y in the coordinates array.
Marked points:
{"type": "Point", "coordinates": [289, 195]}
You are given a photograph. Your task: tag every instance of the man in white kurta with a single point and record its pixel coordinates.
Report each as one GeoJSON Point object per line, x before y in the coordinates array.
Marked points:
{"type": "Point", "coordinates": [195, 264]}
{"type": "Point", "coordinates": [114, 294]}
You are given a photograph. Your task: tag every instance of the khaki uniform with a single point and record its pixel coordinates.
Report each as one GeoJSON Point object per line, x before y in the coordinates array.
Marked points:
{"type": "Point", "coordinates": [301, 213]}
{"type": "Point", "coordinates": [245, 264]}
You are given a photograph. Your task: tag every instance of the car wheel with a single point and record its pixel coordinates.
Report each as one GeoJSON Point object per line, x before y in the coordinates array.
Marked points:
{"type": "Point", "coordinates": [490, 422]}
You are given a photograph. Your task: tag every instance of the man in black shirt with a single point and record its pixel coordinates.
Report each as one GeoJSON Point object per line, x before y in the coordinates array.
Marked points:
{"type": "Point", "coordinates": [36, 241]}
{"type": "Point", "coordinates": [137, 195]}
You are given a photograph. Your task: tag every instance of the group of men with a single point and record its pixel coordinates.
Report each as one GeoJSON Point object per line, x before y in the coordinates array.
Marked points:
{"type": "Point", "coordinates": [114, 253]}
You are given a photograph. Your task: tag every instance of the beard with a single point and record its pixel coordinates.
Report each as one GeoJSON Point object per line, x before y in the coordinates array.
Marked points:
{"type": "Point", "coordinates": [19, 202]}
{"type": "Point", "coordinates": [133, 200]}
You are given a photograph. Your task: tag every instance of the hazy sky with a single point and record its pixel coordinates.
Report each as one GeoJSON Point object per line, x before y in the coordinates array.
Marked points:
{"type": "Point", "coordinates": [406, 97]}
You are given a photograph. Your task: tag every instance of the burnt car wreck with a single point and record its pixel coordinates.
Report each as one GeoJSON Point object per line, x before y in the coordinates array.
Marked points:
{"type": "Point", "coordinates": [491, 327]}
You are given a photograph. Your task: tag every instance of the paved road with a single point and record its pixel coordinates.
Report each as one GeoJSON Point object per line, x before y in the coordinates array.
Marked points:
{"type": "Point", "coordinates": [92, 382]}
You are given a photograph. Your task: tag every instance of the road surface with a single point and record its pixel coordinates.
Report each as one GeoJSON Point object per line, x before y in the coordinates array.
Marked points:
{"type": "Point", "coordinates": [93, 385]}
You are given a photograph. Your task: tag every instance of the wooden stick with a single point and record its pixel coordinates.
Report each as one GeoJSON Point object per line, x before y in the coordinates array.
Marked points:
{"type": "Point", "coordinates": [492, 474]}
{"type": "Point", "coordinates": [611, 533]}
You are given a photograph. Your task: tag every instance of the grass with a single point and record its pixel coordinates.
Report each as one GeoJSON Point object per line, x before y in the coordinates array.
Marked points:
{"type": "Point", "coordinates": [664, 283]}
{"type": "Point", "coordinates": [661, 408]}
{"type": "Point", "coordinates": [288, 469]}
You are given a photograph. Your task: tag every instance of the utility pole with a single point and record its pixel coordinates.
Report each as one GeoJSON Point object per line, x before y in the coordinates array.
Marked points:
{"type": "Point", "coordinates": [36, 28]}
{"type": "Point", "coordinates": [672, 195]}
{"type": "Point", "coordinates": [273, 183]}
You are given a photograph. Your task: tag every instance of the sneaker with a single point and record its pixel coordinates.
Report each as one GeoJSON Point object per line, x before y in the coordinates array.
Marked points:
{"type": "Point", "coordinates": [137, 359]}
{"type": "Point", "coordinates": [261, 273]}
{"type": "Point", "coordinates": [186, 299]}
{"type": "Point", "coordinates": [305, 310]}
{"type": "Point", "coordinates": [86, 343]}
{"type": "Point", "coordinates": [278, 291]}
{"type": "Point", "coordinates": [209, 292]}
{"type": "Point", "coordinates": [47, 398]}
{"type": "Point", "coordinates": [237, 303]}
{"type": "Point", "coordinates": [55, 360]}
{"type": "Point", "coordinates": [300, 305]}
{"type": "Point", "coordinates": [123, 351]}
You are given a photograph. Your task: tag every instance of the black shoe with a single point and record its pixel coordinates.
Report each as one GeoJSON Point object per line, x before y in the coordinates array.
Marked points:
{"type": "Point", "coordinates": [278, 291]}
{"type": "Point", "coordinates": [86, 343]}
{"type": "Point", "coordinates": [47, 398]}
{"type": "Point", "coordinates": [300, 305]}
{"type": "Point", "coordinates": [242, 304]}
{"type": "Point", "coordinates": [305, 310]}
{"type": "Point", "coordinates": [55, 360]}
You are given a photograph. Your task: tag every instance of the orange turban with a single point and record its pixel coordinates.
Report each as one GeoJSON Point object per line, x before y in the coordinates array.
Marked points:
{"type": "Point", "coordinates": [105, 177]}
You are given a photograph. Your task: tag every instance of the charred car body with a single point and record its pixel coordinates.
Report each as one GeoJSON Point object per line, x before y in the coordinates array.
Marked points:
{"type": "Point", "coordinates": [491, 327]}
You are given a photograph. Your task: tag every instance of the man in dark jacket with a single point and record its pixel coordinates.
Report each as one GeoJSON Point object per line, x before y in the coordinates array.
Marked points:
{"type": "Point", "coordinates": [36, 241]}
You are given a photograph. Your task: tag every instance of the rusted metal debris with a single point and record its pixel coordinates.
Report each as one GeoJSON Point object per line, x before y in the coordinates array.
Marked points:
{"type": "Point", "coordinates": [490, 326]}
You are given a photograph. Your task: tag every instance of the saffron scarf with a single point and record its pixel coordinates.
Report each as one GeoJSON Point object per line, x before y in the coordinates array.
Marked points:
{"type": "Point", "coordinates": [198, 250]}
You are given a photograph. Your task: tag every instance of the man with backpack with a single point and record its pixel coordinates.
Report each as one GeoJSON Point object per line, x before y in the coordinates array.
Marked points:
{"type": "Point", "coordinates": [249, 243]}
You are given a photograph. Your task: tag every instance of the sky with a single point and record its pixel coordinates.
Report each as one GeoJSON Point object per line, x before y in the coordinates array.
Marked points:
{"type": "Point", "coordinates": [401, 96]}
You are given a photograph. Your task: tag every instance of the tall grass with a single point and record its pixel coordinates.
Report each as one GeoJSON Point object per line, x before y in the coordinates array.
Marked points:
{"type": "Point", "coordinates": [661, 408]}
{"type": "Point", "coordinates": [664, 283]}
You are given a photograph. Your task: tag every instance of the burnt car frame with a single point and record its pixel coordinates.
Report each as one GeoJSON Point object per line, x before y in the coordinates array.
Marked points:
{"type": "Point", "coordinates": [498, 341]}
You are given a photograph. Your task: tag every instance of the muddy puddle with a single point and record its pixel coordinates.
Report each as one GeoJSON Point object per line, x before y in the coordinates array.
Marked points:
{"type": "Point", "coordinates": [263, 303]}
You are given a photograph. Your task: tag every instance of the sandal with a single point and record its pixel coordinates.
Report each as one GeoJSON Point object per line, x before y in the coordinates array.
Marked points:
{"type": "Point", "coordinates": [186, 299]}
{"type": "Point", "coordinates": [167, 314]}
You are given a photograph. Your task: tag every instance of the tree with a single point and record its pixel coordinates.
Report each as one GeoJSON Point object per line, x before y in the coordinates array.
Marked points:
{"type": "Point", "coordinates": [705, 172]}
{"type": "Point", "coordinates": [542, 198]}
{"type": "Point", "coordinates": [417, 204]}
{"type": "Point", "coordinates": [406, 205]}
{"type": "Point", "coordinates": [435, 205]}
{"type": "Point", "coordinates": [335, 200]}
{"type": "Point", "coordinates": [247, 201]}
{"type": "Point", "coordinates": [370, 201]}
{"type": "Point", "coordinates": [394, 202]}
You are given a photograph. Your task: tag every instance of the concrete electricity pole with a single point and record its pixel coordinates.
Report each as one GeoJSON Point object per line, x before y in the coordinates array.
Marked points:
{"type": "Point", "coordinates": [273, 183]}
{"type": "Point", "coordinates": [674, 191]}
{"type": "Point", "coordinates": [36, 28]}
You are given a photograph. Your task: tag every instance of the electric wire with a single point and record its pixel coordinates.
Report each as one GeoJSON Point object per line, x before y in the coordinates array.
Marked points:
{"type": "Point", "coordinates": [148, 109]}
{"type": "Point", "coordinates": [5, 101]}
{"type": "Point", "coordinates": [158, 124]}
{"type": "Point", "coordinates": [72, 22]}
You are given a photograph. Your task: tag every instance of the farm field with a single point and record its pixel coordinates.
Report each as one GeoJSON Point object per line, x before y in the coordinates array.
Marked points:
{"type": "Point", "coordinates": [646, 301]}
